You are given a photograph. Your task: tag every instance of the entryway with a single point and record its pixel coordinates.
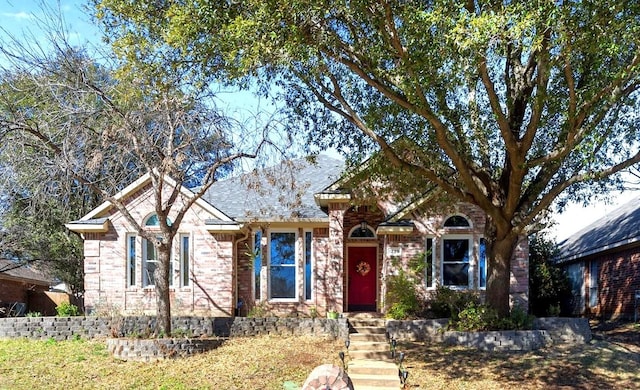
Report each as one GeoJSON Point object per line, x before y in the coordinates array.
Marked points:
{"type": "Point", "coordinates": [362, 281]}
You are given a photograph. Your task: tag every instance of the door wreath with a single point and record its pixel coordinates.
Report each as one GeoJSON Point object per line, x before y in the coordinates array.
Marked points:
{"type": "Point", "coordinates": [363, 267]}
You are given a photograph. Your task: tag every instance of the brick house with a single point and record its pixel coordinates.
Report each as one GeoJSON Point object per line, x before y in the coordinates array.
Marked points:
{"type": "Point", "coordinates": [290, 247]}
{"type": "Point", "coordinates": [22, 289]}
{"type": "Point", "coordinates": [603, 264]}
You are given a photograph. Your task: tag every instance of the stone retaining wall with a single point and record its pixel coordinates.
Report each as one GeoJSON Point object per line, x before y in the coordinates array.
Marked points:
{"type": "Point", "coordinates": [148, 350]}
{"type": "Point", "coordinates": [64, 328]}
{"type": "Point", "coordinates": [546, 331]}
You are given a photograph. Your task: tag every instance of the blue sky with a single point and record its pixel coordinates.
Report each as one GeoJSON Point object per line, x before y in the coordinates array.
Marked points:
{"type": "Point", "coordinates": [19, 16]}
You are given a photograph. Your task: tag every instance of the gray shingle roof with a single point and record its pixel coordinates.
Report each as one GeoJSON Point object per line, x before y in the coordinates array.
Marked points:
{"type": "Point", "coordinates": [281, 192]}
{"type": "Point", "coordinates": [618, 228]}
{"type": "Point", "coordinates": [23, 272]}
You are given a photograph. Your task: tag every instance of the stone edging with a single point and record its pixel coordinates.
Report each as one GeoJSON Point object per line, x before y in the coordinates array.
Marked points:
{"type": "Point", "coordinates": [545, 332]}
{"type": "Point", "coordinates": [149, 350]}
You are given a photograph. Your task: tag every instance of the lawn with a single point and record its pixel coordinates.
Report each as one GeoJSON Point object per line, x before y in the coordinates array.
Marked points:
{"type": "Point", "coordinates": [267, 362]}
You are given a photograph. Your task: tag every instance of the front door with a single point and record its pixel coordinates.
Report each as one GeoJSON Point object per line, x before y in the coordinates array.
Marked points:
{"type": "Point", "coordinates": [362, 274]}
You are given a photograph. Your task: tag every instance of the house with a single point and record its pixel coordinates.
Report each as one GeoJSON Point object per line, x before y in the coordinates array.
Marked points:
{"type": "Point", "coordinates": [22, 289]}
{"type": "Point", "coordinates": [290, 239]}
{"type": "Point", "coordinates": [603, 264]}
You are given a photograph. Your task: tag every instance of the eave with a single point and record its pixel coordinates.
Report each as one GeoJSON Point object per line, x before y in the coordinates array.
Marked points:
{"type": "Point", "coordinates": [324, 198]}
{"type": "Point", "coordinates": [91, 226]}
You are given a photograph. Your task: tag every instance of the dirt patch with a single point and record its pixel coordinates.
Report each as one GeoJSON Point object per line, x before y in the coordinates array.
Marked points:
{"type": "Point", "coordinates": [625, 334]}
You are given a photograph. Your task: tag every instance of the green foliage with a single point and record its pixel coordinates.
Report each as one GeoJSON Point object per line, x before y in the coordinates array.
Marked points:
{"type": "Point", "coordinates": [480, 317]}
{"type": "Point", "coordinates": [66, 309]}
{"type": "Point", "coordinates": [448, 303]}
{"type": "Point", "coordinates": [548, 284]}
{"type": "Point", "coordinates": [33, 314]}
{"type": "Point", "coordinates": [402, 296]}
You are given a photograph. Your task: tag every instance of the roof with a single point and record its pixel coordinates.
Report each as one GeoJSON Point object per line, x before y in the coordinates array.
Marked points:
{"type": "Point", "coordinates": [617, 229]}
{"type": "Point", "coordinates": [12, 270]}
{"type": "Point", "coordinates": [282, 192]}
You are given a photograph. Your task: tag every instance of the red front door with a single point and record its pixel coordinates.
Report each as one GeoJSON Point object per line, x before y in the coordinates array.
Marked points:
{"type": "Point", "coordinates": [363, 275]}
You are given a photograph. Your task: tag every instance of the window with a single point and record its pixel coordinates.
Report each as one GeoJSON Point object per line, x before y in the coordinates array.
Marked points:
{"type": "Point", "coordinates": [429, 266]}
{"type": "Point", "coordinates": [308, 240]}
{"type": "Point", "coordinates": [482, 264]}
{"type": "Point", "coordinates": [257, 262]}
{"type": "Point", "coordinates": [362, 231]}
{"type": "Point", "coordinates": [457, 221]}
{"type": "Point", "coordinates": [593, 283]}
{"type": "Point", "coordinates": [455, 262]}
{"type": "Point", "coordinates": [154, 221]}
{"type": "Point", "coordinates": [184, 261]}
{"type": "Point", "coordinates": [282, 251]}
{"type": "Point", "coordinates": [149, 263]}
{"type": "Point", "coordinates": [131, 260]}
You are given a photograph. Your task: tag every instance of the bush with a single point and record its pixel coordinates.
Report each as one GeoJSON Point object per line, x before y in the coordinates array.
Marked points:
{"type": "Point", "coordinates": [548, 284]}
{"type": "Point", "coordinates": [402, 297]}
{"type": "Point", "coordinates": [476, 317]}
{"type": "Point", "coordinates": [66, 309]}
{"type": "Point", "coordinates": [448, 303]}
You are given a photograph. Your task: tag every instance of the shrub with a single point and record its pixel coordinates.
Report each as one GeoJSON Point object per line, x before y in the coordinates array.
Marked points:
{"type": "Point", "coordinates": [66, 309]}
{"type": "Point", "coordinates": [548, 284]}
{"type": "Point", "coordinates": [448, 303]}
{"type": "Point", "coordinates": [402, 297]}
{"type": "Point", "coordinates": [475, 318]}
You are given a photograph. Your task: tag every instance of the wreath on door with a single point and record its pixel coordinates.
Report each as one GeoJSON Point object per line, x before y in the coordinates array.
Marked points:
{"type": "Point", "coordinates": [363, 267]}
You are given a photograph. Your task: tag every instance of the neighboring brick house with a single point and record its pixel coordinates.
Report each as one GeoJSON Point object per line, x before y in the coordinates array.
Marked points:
{"type": "Point", "coordinates": [21, 289]}
{"type": "Point", "coordinates": [288, 246]}
{"type": "Point", "coordinates": [603, 264]}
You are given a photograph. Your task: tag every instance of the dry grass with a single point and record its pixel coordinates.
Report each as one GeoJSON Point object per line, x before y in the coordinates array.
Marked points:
{"type": "Point", "coordinates": [267, 362]}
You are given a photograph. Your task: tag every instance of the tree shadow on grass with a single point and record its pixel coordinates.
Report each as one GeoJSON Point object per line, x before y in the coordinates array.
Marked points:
{"type": "Point", "coordinates": [596, 365]}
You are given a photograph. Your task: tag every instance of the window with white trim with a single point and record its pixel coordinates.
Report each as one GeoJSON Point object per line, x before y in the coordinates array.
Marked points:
{"type": "Point", "coordinates": [429, 258]}
{"type": "Point", "coordinates": [131, 260]}
{"type": "Point", "coordinates": [185, 256]}
{"type": "Point", "coordinates": [482, 263]}
{"type": "Point", "coordinates": [149, 263]}
{"type": "Point", "coordinates": [282, 264]}
{"type": "Point", "coordinates": [257, 262]}
{"type": "Point", "coordinates": [456, 255]}
{"type": "Point", "coordinates": [308, 271]}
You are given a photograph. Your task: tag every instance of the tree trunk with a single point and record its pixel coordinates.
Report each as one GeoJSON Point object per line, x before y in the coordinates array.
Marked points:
{"type": "Point", "coordinates": [499, 254]}
{"type": "Point", "coordinates": [163, 302]}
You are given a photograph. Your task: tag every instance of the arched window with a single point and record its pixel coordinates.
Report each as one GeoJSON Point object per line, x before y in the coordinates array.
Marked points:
{"type": "Point", "coordinates": [362, 231]}
{"type": "Point", "coordinates": [457, 221]}
{"type": "Point", "coordinates": [153, 221]}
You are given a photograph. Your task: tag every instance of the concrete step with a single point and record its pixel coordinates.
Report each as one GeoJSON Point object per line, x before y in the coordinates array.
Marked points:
{"type": "Point", "coordinates": [377, 382]}
{"type": "Point", "coordinates": [373, 368]}
{"type": "Point", "coordinates": [368, 346]}
{"type": "Point", "coordinates": [371, 355]}
{"type": "Point", "coordinates": [368, 322]}
{"type": "Point", "coordinates": [364, 337]}
{"type": "Point", "coordinates": [368, 330]}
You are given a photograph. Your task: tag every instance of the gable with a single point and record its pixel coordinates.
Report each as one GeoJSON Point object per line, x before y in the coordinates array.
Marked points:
{"type": "Point", "coordinates": [615, 230]}
{"type": "Point", "coordinates": [97, 220]}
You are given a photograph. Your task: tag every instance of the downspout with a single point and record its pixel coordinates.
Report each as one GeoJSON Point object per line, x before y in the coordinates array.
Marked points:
{"type": "Point", "coordinates": [235, 268]}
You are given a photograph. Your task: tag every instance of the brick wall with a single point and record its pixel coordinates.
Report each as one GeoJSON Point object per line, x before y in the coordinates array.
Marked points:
{"type": "Point", "coordinates": [211, 290]}
{"type": "Point", "coordinates": [618, 279]}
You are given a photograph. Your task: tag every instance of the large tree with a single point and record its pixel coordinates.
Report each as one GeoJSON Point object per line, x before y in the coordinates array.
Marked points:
{"type": "Point", "coordinates": [508, 105]}
{"type": "Point", "coordinates": [95, 125]}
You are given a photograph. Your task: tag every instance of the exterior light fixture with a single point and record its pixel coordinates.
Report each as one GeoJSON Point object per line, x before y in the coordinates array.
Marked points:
{"type": "Point", "coordinates": [363, 225]}
{"type": "Point", "coordinates": [347, 343]}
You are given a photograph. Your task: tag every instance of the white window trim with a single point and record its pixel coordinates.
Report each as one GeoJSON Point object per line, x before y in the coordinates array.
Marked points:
{"type": "Point", "coordinates": [486, 263]}
{"type": "Point", "coordinates": [471, 263]}
{"type": "Point", "coordinates": [296, 264]}
{"type": "Point", "coordinates": [311, 262]}
{"type": "Point", "coordinates": [145, 282]}
{"type": "Point", "coordinates": [434, 259]}
{"type": "Point", "coordinates": [357, 227]}
{"type": "Point", "coordinates": [257, 294]}
{"type": "Point", "coordinates": [470, 227]}
{"type": "Point", "coordinates": [181, 237]}
{"type": "Point", "coordinates": [131, 283]}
